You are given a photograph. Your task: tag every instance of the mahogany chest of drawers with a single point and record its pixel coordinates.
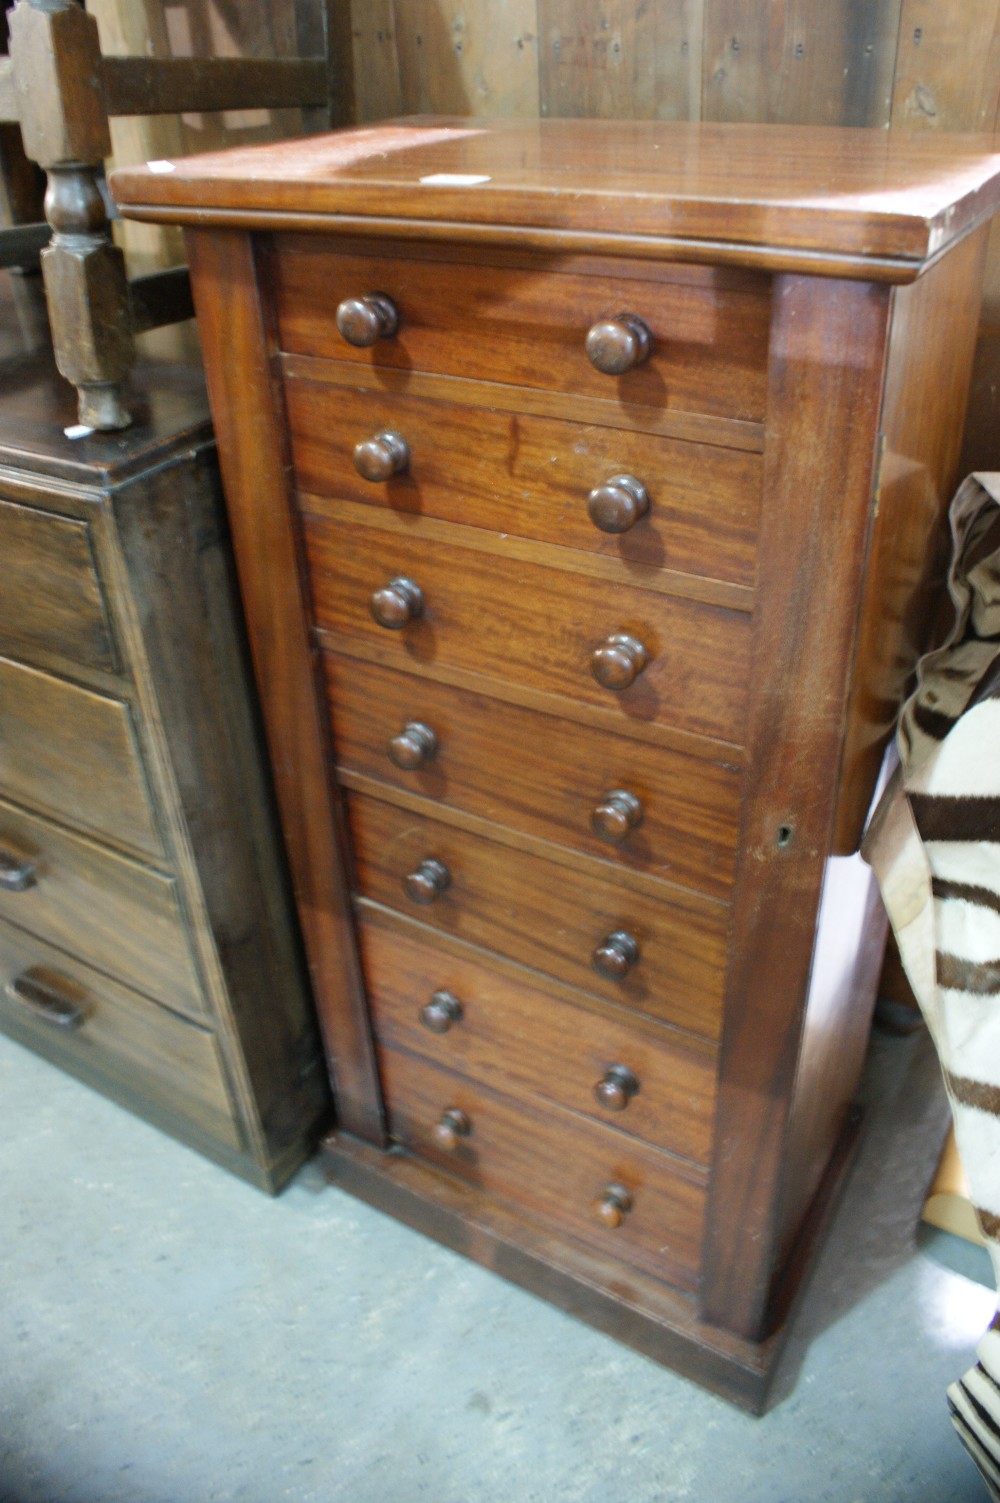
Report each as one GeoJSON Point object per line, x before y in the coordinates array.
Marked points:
{"type": "Point", "coordinates": [146, 939]}
{"type": "Point", "coordinates": [587, 483]}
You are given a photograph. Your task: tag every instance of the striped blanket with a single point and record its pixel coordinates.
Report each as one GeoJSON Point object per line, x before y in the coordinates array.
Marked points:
{"type": "Point", "coordinates": [934, 842]}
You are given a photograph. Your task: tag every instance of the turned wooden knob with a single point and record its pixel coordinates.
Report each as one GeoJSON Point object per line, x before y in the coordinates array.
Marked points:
{"type": "Point", "coordinates": [363, 321]}
{"type": "Point", "coordinates": [381, 457]}
{"type": "Point", "coordinates": [612, 1206]}
{"type": "Point", "coordinates": [415, 745]}
{"type": "Point", "coordinates": [428, 882]}
{"type": "Point", "coordinates": [618, 504]}
{"type": "Point", "coordinates": [454, 1124]}
{"type": "Point", "coordinates": [17, 871]}
{"type": "Point", "coordinates": [618, 813]}
{"type": "Point", "coordinates": [397, 603]}
{"type": "Point", "coordinates": [619, 344]}
{"type": "Point", "coordinates": [616, 955]}
{"type": "Point", "coordinates": [441, 1012]}
{"type": "Point", "coordinates": [616, 1088]}
{"type": "Point", "coordinates": [618, 662]}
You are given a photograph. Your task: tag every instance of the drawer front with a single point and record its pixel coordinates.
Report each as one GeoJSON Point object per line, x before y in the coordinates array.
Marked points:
{"type": "Point", "coordinates": [120, 1040]}
{"type": "Point", "coordinates": [554, 1166]}
{"type": "Point", "coordinates": [539, 774]}
{"type": "Point", "coordinates": [535, 626]}
{"type": "Point", "coordinates": [121, 917]}
{"type": "Point", "coordinates": [51, 606]}
{"type": "Point", "coordinates": [72, 754]}
{"type": "Point", "coordinates": [505, 1030]}
{"type": "Point", "coordinates": [548, 916]}
{"type": "Point", "coordinates": [531, 477]}
{"type": "Point", "coordinates": [527, 326]}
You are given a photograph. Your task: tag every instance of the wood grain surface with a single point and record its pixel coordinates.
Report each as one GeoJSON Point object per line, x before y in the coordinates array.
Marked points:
{"type": "Point", "coordinates": [237, 344]}
{"type": "Point", "coordinates": [124, 1040]}
{"type": "Point", "coordinates": [546, 915]}
{"type": "Point", "coordinates": [527, 326]}
{"type": "Point", "coordinates": [122, 918]}
{"type": "Point", "coordinates": [507, 618]}
{"type": "Point", "coordinates": [553, 1164]}
{"type": "Point", "coordinates": [530, 476]}
{"type": "Point", "coordinates": [528, 1038]}
{"type": "Point", "coordinates": [539, 774]}
{"type": "Point", "coordinates": [51, 607]}
{"type": "Point", "coordinates": [892, 196]}
{"type": "Point", "coordinates": [73, 755]}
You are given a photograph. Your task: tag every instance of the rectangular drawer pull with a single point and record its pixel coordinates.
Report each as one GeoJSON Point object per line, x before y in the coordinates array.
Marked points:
{"type": "Point", "coordinates": [45, 1001]}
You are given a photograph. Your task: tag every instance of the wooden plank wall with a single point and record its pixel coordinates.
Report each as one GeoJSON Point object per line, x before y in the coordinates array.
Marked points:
{"type": "Point", "coordinates": [892, 64]}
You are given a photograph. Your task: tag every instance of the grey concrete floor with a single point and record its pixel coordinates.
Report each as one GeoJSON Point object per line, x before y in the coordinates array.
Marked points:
{"type": "Point", "coordinates": [170, 1335]}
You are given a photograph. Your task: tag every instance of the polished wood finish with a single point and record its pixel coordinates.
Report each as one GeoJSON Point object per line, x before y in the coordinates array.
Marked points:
{"type": "Point", "coordinates": [545, 774]}
{"type": "Point", "coordinates": [545, 915]}
{"type": "Point", "coordinates": [696, 656]}
{"type": "Point", "coordinates": [896, 199]}
{"type": "Point", "coordinates": [531, 476]}
{"type": "Point", "coordinates": [636, 748]}
{"type": "Point", "coordinates": [710, 341]}
{"type": "Point", "coordinates": [550, 1162]}
{"type": "Point", "coordinates": [828, 353]}
{"type": "Point", "coordinates": [363, 320]}
{"type": "Point", "coordinates": [237, 344]}
{"type": "Point", "coordinates": [141, 879]}
{"type": "Point", "coordinates": [573, 1045]}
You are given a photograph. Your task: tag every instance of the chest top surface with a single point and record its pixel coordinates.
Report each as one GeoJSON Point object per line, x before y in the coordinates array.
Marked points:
{"type": "Point", "coordinates": [761, 193]}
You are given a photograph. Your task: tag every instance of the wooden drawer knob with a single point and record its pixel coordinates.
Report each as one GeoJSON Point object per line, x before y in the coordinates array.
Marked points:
{"type": "Point", "coordinates": [381, 457]}
{"type": "Point", "coordinates": [363, 321]}
{"type": "Point", "coordinates": [428, 882]}
{"type": "Point", "coordinates": [618, 813]}
{"type": "Point", "coordinates": [415, 745]}
{"type": "Point", "coordinates": [619, 344]}
{"type": "Point", "coordinates": [612, 1206]}
{"type": "Point", "coordinates": [45, 1001]}
{"type": "Point", "coordinates": [617, 663]}
{"type": "Point", "coordinates": [616, 1088]}
{"type": "Point", "coordinates": [17, 872]}
{"type": "Point", "coordinates": [453, 1126]}
{"type": "Point", "coordinates": [397, 603]}
{"type": "Point", "coordinates": [616, 955]}
{"type": "Point", "coordinates": [441, 1012]}
{"type": "Point", "coordinates": [618, 504]}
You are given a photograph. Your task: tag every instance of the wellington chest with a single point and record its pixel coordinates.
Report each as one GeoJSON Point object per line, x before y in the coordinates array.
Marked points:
{"type": "Point", "coordinates": [147, 941]}
{"type": "Point", "coordinates": [587, 483]}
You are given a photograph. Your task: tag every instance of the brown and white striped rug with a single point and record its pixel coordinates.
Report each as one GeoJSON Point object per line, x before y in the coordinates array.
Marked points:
{"type": "Point", "coordinates": [934, 842]}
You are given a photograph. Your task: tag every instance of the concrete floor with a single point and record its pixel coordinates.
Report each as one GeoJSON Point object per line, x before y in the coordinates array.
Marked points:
{"type": "Point", "coordinates": [169, 1335]}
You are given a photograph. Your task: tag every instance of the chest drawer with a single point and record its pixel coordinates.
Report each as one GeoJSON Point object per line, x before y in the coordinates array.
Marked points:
{"type": "Point", "coordinates": [52, 608]}
{"type": "Point", "coordinates": [554, 1165]}
{"type": "Point", "coordinates": [108, 1034]}
{"type": "Point", "coordinates": [537, 773]}
{"type": "Point", "coordinates": [526, 325]}
{"type": "Point", "coordinates": [72, 754]}
{"type": "Point", "coordinates": [549, 916]}
{"type": "Point", "coordinates": [114, 913]}
{"type": "Point", "coordinates": [502, 1028]}
{"type": "Point", "coordinates": [536, 626]}
{"type": "Point", "coordinates": [532, 476]}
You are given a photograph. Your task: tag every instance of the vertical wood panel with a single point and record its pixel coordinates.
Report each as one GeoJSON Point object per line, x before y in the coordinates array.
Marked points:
{"type": "Point", "coordinates": [948, 78]}
{"type": "Point", "coordinates": [948, 65]}
{"type": "Point", "coordinates": [475, 58]}
{"type": "Point", "coordinates": [818, 62]}
{"type": "Point", "coordinates": [377, 90]}
{"type": "Point", "coordinates": [620, 59]}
